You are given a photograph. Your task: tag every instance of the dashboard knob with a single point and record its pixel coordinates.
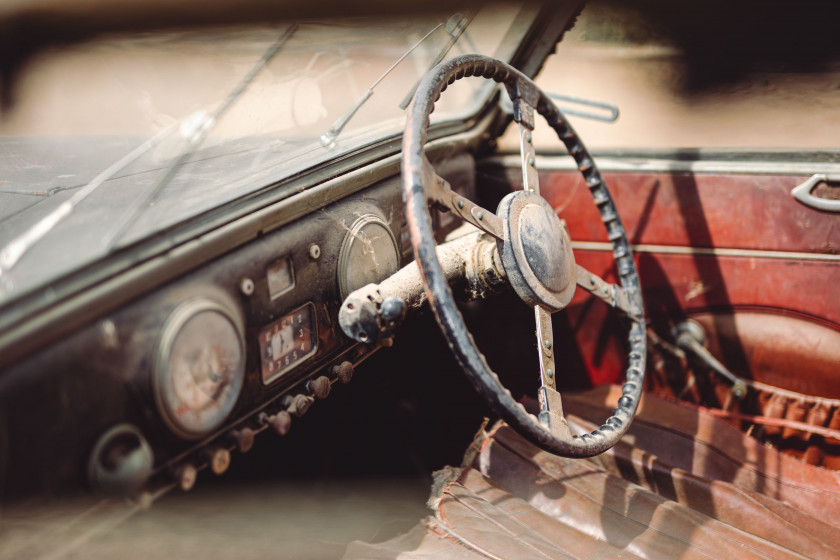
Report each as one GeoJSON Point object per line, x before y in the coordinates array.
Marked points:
{"type": "Point", "coordinates": [219, 459]}
{"type": "Point", "coordinates": [320, 386]}
{"type": "Point", "coordinates": [280, 422]}
{"type": "Point", "coordinates": [243, 438]}
{"type": "Point", "coordinates": [186, 476]}
{"type": "Point", "coordinates": [344, 371]}
{"type": "Point", "coordinates": [300, 405]}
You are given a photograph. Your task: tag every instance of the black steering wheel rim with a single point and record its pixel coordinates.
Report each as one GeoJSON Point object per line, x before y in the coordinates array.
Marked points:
{"type": "Point", "coordinates": [441, 299]}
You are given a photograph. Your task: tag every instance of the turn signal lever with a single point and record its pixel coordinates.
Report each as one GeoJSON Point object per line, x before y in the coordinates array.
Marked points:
{"type": "Point", "coordinates": [372, 313]}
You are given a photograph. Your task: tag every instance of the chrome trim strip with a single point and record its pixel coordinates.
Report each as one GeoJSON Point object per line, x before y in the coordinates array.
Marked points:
{"type": "Point", "coordinates": [655, 165]}
{"type": "Point", "coordinates": [709, 251]}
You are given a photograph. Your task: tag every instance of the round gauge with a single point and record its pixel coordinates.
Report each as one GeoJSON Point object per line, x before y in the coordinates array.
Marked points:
{"type": "Point", "coordinates": [199, 368]}
{"type": "Point", "coordinates": [368, 254]}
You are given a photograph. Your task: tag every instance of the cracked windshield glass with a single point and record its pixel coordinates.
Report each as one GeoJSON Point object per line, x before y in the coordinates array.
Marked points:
{"type": "Point", "coordinates": [125, 140]}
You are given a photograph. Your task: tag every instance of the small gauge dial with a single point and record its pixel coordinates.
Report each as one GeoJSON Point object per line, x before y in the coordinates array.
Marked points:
{"type": "Point", "coordinates": [287, 342]}
{"type": "Point", "coordinates": [368, 254]}
{"type": "Point", "coordinates": [281, 277]}
{"type": "Point", "coordinates": [200, 368]}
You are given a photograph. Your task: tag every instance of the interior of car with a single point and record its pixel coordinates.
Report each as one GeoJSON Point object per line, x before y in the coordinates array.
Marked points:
{"type": "Point", "coordinates": [240, 248]}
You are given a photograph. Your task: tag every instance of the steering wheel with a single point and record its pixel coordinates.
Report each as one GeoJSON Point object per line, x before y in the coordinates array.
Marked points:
{"type": "Point", "coordinates": [536, 255]}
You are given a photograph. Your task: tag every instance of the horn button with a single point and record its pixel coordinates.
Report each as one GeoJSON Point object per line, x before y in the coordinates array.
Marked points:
{"type": "Point", "coordinates": [537, 252]}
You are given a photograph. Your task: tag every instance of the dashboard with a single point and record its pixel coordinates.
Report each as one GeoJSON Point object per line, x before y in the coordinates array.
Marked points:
{"type": "Point", "coordinates": [197, 367]}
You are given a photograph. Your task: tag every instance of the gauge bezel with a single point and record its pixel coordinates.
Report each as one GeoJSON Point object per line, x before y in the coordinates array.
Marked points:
{"type": "Point", "coordinates": [347, 244]}
{"type": "Point", "coordinates": [171, 328]}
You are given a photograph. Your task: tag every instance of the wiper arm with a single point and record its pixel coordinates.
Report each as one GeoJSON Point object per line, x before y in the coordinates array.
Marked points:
{"type": "Point", "coordinates": [455, 26]}
{"type": "Point", "coordinates": [13, 251]}
{"type": "Point", "coordinates": [196, 128]}
{"type": "Point", "coordinates": [328, 138]}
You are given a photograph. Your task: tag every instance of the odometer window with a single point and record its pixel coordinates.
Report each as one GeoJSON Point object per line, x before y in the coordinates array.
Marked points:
{"type": "Point", "coordinates": [287, 342]}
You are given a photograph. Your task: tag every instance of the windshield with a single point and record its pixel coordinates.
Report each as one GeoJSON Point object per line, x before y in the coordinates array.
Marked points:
{"type": "Point", "coordinates": [113, 141]}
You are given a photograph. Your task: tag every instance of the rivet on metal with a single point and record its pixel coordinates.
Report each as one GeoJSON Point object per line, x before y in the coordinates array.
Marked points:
{"type": "Point", "coordinates": [550, 374]}
{"type": "Point", "coordinates": [528, 137]}
{"type": "Point", "coordinates": [591, 280]}
{"type": "Point", "coordinates": [314, 251]}
{"type": "Point", "coordinates": [460, 204]}
{"type": "Point", "coordinates": [480, 215]}
{"type": "Point", "coordinates": [548, 344]}
{"type": "Point", "coordinates": [531, 162]}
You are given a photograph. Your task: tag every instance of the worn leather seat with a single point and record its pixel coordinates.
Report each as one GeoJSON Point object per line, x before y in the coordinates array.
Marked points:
{"type": "Point", "coordinates": [682, 484]}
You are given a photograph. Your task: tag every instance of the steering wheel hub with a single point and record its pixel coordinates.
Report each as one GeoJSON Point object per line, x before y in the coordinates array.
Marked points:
{"type": "Point", "coordinates": [536, 251]}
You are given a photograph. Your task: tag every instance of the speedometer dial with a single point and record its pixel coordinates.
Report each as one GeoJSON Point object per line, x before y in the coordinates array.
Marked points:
{"type": "Point", "coordinates": [199, 368]}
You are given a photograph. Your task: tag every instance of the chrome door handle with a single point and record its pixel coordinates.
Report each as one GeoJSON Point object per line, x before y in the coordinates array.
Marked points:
{"type": "Point", "coordinates": [802, 193]}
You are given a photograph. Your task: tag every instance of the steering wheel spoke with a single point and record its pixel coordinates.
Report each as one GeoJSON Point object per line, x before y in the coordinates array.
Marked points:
{"type": "Point", "coordinates": [625, 300]}
{"type": "Point", "coordinates": [439, 191]}
{"type": "Point", "coordinates": [530, 178]}
{"type": "Point", "coordinates": [545, 345]}
{"type": "Point", "coordinates": [551, 413]}
{"type": "Point", "coordinates": [551, 405]}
